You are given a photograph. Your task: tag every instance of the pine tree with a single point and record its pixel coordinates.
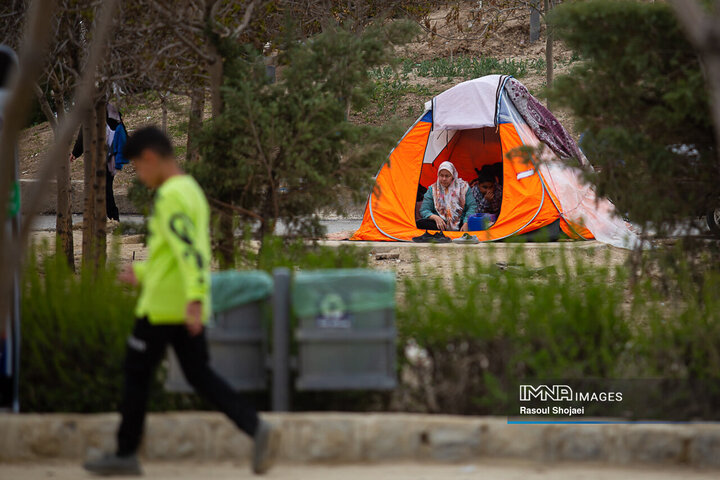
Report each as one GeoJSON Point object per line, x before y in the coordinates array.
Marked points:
{"type": "Point", "coordinates": [282, 151]}
{"type": "Point", "coordinates": [641, 100]}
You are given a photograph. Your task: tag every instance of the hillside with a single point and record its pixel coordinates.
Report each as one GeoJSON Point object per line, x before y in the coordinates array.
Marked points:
{"type": "Point", "coordinates": [427, 67]}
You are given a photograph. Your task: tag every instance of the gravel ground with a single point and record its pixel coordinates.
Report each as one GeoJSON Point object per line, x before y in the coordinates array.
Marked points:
{"type": "Point", "coordinates": [408, 471]}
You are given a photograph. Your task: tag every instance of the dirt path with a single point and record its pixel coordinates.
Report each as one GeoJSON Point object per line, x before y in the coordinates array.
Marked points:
{"type": "Point", "coordinates": [407, 471]}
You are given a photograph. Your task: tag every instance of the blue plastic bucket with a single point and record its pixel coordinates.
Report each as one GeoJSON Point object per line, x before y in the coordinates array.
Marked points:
{"type": "Point", "coordinates": [480, 221]}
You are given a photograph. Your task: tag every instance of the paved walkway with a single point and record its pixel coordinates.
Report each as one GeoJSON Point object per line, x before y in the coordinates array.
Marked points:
{"type": "Point", "coordinates": [394, 471]}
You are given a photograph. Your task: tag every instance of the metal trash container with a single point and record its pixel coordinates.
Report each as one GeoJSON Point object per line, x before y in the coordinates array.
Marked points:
{"type": "Point", "coordinates": [236, 333]}
{"type": "Point", "coordinates": [346, 329]}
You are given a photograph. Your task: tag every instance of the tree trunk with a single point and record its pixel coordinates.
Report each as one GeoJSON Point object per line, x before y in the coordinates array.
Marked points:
{"type": "Point", "coordinates": [100, 213]}
{"type": "Point", "coordinates": [215, 69]}
{"type": "Point", "coordinates": [226, 243]}
{"type": "Point", "coordinates": [89, 133]}
{"type": "Point", "coordinates": [63, 209]}
{"type": "Point", "coordinates": [548, 51]}
{"type": "Point", "coordinates": [163, 108]}
{"type": "Point", "coordinates": [534, 21]}
{"type": "Point", "coordinates": [195, 121]}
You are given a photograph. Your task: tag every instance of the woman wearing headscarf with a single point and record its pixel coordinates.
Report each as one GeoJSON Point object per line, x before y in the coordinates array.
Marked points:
{"type": "Point", "coordinates": [448, 202]}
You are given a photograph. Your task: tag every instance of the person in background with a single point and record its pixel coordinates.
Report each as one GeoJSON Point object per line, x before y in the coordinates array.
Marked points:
{"type": "Point", "coordinates": [447, 203]}
{"type": "Point", "coordinates": [487, 192]}
{"type": "Point", "coordinates": [173, 308]}
{"type": "Point", "coordinates": [115, 138]}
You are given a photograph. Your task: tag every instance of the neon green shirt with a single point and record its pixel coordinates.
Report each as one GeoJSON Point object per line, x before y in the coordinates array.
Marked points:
{"type": "Point", "coordinates": [177, 270]}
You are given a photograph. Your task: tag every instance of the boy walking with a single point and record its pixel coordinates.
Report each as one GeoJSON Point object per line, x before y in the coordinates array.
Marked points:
{"type": "Point", "coordinates": [173, 308]}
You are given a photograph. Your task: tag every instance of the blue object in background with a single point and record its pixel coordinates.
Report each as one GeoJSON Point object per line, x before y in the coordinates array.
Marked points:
{"type": "Point", "coordinates": [480, 221]}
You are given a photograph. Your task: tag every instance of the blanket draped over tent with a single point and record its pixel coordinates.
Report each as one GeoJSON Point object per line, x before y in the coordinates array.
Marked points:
{"type": "Point", "coordinates": [484, 122]}
{"type": "Point", "coordinates": [543, 123]}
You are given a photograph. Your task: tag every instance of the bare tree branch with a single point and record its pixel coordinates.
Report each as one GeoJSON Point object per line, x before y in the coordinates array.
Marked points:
{"type": "Point", "coordinates": [45, 107]}
{"type": "Point", "coordinates": [245, 21]}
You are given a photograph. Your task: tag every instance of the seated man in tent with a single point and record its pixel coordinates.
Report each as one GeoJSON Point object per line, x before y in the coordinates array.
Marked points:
{"type": "Point", "coordinates": [448, 203]}
{"type": "Point", "coordinates": [487, 191]}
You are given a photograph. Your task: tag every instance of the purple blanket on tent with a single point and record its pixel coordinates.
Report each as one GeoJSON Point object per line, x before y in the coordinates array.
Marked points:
{"type": "Point", "coordinates": [544, 125]}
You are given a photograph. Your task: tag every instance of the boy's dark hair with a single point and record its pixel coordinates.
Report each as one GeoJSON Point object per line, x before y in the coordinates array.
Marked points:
{"type": "Point", "coordinates": [148, 138]}
{"type": "Point", "coordinates": [489, 173]}
{"type": "Point", "coordinates": [484, 177]}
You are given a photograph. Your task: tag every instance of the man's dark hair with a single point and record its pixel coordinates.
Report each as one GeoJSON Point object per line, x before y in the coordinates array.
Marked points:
{"type": "Point", "coordinates": [148, 138]}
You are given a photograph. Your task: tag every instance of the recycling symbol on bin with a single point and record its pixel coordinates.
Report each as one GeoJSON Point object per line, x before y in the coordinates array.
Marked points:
{"type": "Point", "coordinates": [333, 312]}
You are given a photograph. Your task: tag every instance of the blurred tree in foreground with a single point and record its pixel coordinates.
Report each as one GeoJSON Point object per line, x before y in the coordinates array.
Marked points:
{"type": "Point", "coordinates": [280, 151]}
{"type": "Point", "coordinates": [642, 102]}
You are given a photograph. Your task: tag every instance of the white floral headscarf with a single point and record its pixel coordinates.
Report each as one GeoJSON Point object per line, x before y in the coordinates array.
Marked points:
{"type": "Point", "coordinates": [450, 201]}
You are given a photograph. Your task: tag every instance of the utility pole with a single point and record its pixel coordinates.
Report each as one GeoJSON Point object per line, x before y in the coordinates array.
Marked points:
{"type": "Point", "coordinates": [10, 320]}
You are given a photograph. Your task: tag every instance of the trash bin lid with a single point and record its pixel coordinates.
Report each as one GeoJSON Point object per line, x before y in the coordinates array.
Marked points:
{"type": "Point", "coordinates": [232, 288]}
{"type": "Point", "coordinates": [360, 290]}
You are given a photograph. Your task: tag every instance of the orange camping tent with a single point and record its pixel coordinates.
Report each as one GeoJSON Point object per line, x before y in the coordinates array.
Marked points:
{"type": "Point", "coordinates": [474, 124]}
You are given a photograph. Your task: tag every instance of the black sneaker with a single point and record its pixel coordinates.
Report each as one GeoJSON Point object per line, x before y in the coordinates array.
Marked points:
{"type": "Point", "coordinates": [440, 237]}
{"type": "Point", "coordinates": [111, 465]}
{"type": "Point", "coordinates": [426, 237]}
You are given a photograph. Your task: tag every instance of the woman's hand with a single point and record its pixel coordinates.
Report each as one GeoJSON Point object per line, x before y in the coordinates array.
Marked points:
{"type": "Point", "coordinates": [439, 222]}
{"type": "Point", "coordinates": [464, 228]}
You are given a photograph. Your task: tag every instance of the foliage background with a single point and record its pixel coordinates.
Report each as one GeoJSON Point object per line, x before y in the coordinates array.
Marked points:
{"type": "Point", "coordinates": [640, 98]}
{"type": "Point", "coordinates": [463, 342]}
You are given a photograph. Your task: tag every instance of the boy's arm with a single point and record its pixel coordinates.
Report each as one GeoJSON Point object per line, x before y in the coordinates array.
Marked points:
{"type": "Point", "coordinates": [176, 226]}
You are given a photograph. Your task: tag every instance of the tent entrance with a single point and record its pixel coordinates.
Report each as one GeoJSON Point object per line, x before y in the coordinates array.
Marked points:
{"type": "Point", "coordinates": [469, 151]}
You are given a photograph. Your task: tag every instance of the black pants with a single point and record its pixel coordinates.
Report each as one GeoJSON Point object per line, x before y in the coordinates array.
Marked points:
{"type": "Point", "coordinates": [112, 209]}
{"type": "Point", "coordinates": [426, 224]}
{"type": "Point", "coordinates": [145, 350]}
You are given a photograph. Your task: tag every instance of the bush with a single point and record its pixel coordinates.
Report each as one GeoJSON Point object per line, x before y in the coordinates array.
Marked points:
{"type": "Point", "coordinates": [469, 340]}
{"type": "Point", "coordinates": [490, 327]}
{"type": "Point", "coordinates": [74, 329]}
{"type": "Point", "coordinates": [279, 252]}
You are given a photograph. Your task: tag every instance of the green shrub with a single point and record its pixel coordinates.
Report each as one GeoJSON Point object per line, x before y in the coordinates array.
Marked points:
{"type": "Point", "coordinates": [74, 329]}
{"type": "Point", "coordinates": [680, 338]}
{"type": "Point", "coordinates": [471, 67]}
{"type": "Point", "coordinates": [299, 254]}
{"type": "Point", "coordinates": [486, 328]}
{"type": "Point", "coordinates": [469, 339]}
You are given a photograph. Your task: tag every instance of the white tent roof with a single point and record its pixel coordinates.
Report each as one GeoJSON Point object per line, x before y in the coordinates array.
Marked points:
{"type": "Point", "coordinates": [467, 105]}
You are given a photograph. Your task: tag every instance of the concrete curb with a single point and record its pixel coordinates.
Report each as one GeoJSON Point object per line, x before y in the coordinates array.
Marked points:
{"type": "Point", "coordinates": [353, 438]}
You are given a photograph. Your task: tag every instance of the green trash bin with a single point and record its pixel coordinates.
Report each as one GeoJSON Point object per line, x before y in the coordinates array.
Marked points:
{"type": "Point", "coordinates": [345, 329]}
{"type": "Point", "coordinates": [236, 332]}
